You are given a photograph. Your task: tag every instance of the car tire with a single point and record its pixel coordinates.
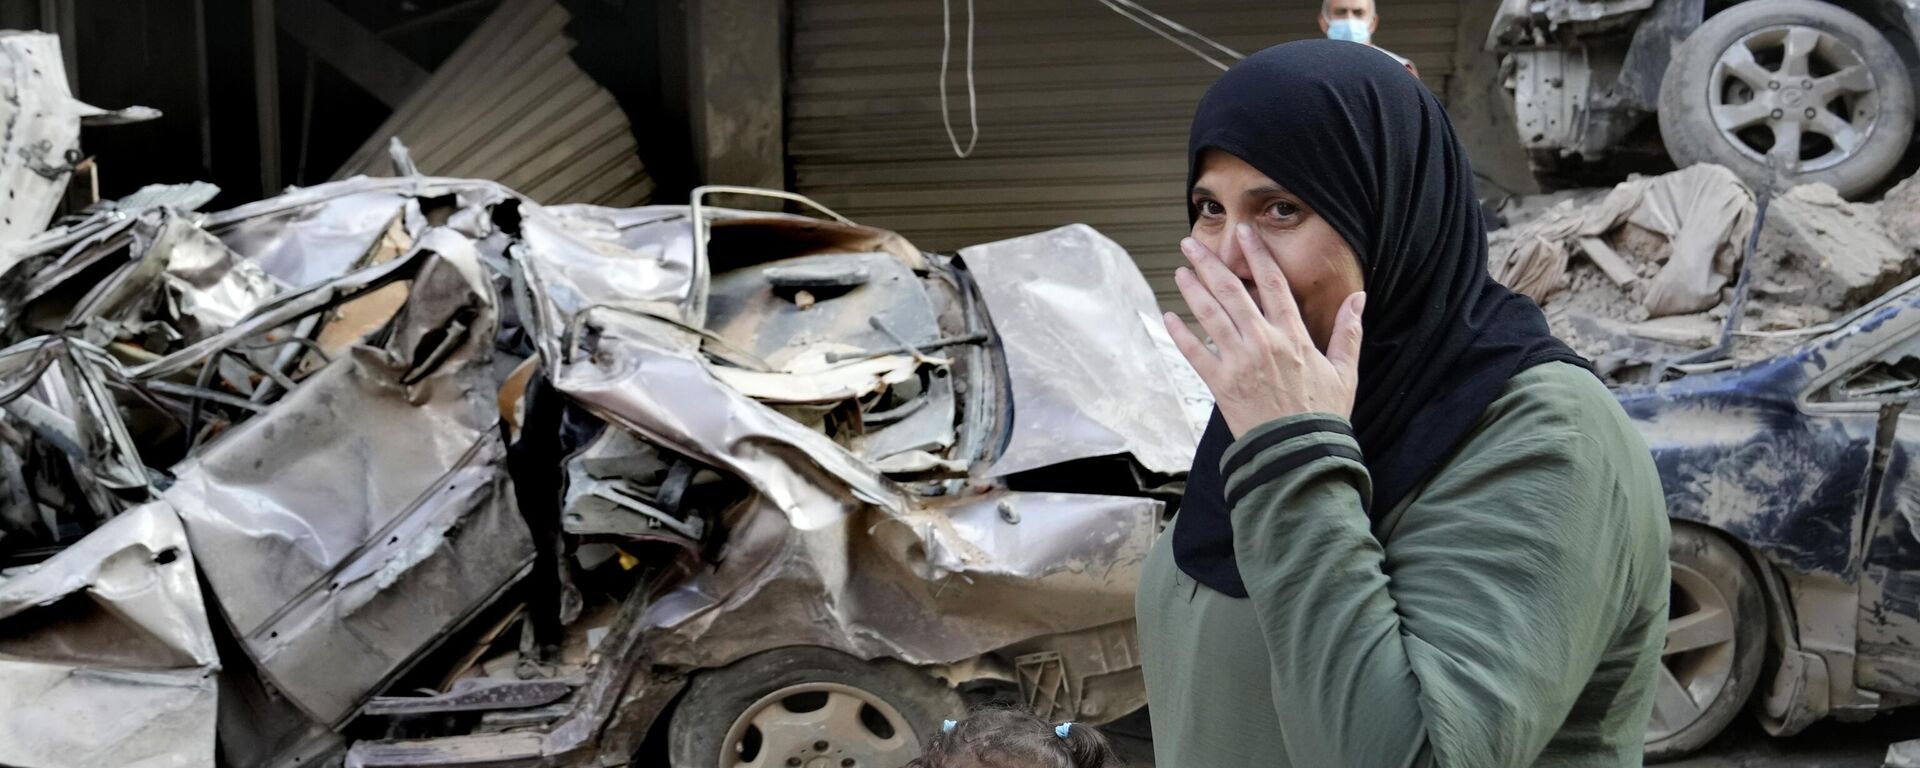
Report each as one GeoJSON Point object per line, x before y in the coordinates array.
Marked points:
{"type": "Point", "coordinates": [1716, 641]}
{"type": "Point", "coordinates": [808, 703]}
{"type": "Point", "coordinates": [1713, 109]}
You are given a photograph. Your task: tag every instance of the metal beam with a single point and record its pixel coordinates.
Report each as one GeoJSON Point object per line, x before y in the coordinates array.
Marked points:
{"type": "Point", "coordinates": [431, 18]}
{"type": "Point", "coordinates": [354, 50]}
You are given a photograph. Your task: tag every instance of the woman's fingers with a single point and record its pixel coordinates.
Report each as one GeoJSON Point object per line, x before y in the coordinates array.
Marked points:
{"type": "Point", "coordinates": [1343, 348]}
{"type": "Point", "coordinates": [1203, 360]}
{"type": "Point", "coordinates": [1212, 318]}
{"type": "Point", "coordinates": [1276, 296]}
{"type": "Point", "coordinates": [1225, 286]}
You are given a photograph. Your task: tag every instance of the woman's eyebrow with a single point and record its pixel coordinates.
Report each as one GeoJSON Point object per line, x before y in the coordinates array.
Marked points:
{"type": "Point", "coordinates": [1201, 192]}
{"type": "Point", "coordinates": [1270, 189]}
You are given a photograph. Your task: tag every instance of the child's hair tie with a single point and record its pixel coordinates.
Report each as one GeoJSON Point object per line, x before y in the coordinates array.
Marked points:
{"type": "Point", "coordinates": [1062, 729]}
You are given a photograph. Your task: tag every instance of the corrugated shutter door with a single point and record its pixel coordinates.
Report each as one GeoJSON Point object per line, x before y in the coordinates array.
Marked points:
{"type": "Point", "coordinates": [1083, 114]}
{"type": "Point", "coordinates": [511, 106]}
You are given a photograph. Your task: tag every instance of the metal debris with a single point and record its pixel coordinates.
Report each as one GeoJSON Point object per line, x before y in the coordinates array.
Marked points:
{"type": "Point", "coordinates": [40, 131]}
{"type": "Point", "coordinates": [107, 658]}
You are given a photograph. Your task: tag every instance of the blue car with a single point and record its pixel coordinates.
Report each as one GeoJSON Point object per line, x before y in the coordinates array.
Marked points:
{"type": "Point", "coordinates": [1794, 494]}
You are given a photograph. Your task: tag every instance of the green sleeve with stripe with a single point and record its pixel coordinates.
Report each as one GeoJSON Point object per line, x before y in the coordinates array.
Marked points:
{"type": "Point", "coordinates": [1466, 639]}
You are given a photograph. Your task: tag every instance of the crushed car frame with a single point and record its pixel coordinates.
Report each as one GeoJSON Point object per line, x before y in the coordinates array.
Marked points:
{"type": "Point", "coordinates": [414, 471]}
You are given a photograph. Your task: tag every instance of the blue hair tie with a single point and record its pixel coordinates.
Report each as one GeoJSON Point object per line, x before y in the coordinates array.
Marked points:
{"type": "Point", "coordinates": [947, 726]}
{"type": "Point", "coordinates": [1062, 729]}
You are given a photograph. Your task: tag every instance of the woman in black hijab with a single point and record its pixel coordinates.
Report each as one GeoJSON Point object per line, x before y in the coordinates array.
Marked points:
{"type": "Point", "coordinates": [1418, 530]}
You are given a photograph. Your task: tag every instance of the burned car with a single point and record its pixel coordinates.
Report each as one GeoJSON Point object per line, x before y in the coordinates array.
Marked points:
{"type": "Point", "coordinates": [1782, 92]}
{"type": "Point", "coordinates": [414, 471]}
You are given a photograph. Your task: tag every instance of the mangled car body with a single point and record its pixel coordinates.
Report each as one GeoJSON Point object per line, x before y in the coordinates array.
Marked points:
{"type": "Point", "coordinates": [468, 480]}
{"type": "Point", "coordinates": [1792, 485]}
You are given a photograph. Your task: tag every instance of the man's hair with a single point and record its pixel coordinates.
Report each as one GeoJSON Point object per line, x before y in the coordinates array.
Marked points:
{"type": "Point", "coordinates": [1327, 5]}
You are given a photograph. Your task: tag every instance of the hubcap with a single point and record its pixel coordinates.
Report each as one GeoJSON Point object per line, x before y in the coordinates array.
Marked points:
{"type": "Point", "coordinates": [1697, 664]}
{"type": "Point", "coordinates": [818, 725]}
{"type": "Point", "coordinates": [1792, 97]}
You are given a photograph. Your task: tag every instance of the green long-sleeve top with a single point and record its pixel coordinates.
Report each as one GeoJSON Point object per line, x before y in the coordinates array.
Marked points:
{"type": "Point", "coordinates": [1509, 612]}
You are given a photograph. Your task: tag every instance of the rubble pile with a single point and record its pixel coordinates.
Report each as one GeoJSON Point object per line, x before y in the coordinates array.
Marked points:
{"type": "Point", "coordinates": [1646, 273]}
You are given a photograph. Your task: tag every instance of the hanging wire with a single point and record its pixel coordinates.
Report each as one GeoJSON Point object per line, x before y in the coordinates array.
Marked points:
{"type": "Point", "coordinates": [973, 103]}
{"type": "Point", "coordinates": [1122, 7]}
{"type": "Point", "coordinates": [1166, 28]}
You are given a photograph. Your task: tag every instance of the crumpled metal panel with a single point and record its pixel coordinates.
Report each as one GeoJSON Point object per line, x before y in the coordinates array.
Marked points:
{"type": "Point", "coordinates": [40, 130]}
{"type": "Point", "coordinates": [39, 125]}
{"type": "Point", "coordinates": [311, 235]}
{"type": "Point", "coordinates": [208, 284]}
{"type": "Point", "coordinates": [931, 585]}
{"type": "Point", "coordinates": [581, 256]}
{"type": "Point", "coordinates": [1520, 23]}
{"type": "Point", "coordinates": [650, 377]}
{"type": "Point", "coordinates": [180, 279]}
{"type": "Point", "coordinates": [105, 653]}
{"type": "Point", "coordinates": [369, 512]}
{"type": "Point", "coordinates": [1075, 320]}
{"type": "Point", "coordinates": [837, 555]}
{"type": "Point", "coordinates": [317, 233]}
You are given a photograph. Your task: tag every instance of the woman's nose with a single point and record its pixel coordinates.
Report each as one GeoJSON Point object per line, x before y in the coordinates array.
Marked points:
{"type": "Point", "coordinates": [1230, 253]}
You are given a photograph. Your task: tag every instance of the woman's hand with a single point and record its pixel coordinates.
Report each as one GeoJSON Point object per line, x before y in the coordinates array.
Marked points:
{"type": "Point", "coordinates": [1266, 366]}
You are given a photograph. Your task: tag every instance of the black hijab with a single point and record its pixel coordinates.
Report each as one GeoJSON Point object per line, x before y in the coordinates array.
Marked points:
{"type": "Point", "coordinates": [1368, 148]}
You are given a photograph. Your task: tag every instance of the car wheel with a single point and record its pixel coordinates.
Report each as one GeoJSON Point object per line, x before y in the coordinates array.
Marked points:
{"type": "Point", "coordinates": [1716, 641]}
{"type": "Point", "coordinates": [1800, 83]}
{"type": "Point", "coordinates": [808, 707]}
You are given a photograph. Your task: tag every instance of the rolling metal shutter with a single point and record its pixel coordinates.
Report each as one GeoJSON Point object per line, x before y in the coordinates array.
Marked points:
{"type": "Point", "coordinates": [1083, 114]}
{"type": "Point", "coordinates": [511, 106]}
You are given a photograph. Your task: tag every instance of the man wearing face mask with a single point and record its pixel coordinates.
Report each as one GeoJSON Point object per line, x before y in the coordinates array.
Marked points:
{"type": "Point", "coordinates": [1355, 21]}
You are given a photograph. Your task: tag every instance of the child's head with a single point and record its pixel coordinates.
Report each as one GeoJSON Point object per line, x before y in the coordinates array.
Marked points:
{"type": "Point", "coordinates": [1007, 738]}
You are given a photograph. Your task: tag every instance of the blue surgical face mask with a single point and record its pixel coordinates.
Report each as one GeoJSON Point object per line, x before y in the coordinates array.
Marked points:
{"type": "Point", "coordinates": [1351, 30]}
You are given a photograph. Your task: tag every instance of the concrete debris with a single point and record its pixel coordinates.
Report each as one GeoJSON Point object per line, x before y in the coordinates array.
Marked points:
{"type": "Point", "coordinates": [777, 431]}
{"type": "Point", "coordinates": [1643, 273]}
{"type": "Point", "coordinates": [1608, 260]}
{"type": "Point", "coordinates": [1702, 214]}
{"type": "Point", "coordinates": [1900, 213]}
{"type": "Point", "coordinates": [1818, 249]}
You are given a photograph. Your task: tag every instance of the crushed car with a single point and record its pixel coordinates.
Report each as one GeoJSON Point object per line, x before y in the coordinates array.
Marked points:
{"type": "Point", "coordinates": [1782, 92]}
{"type": "Point", "coordinates": [414, 471]}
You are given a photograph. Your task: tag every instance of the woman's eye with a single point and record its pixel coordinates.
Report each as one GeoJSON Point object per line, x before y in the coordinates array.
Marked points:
{"type": "Point", "coordinates": [1283, 209]}
{"type": "Point", "coordinates": [1212, 208]}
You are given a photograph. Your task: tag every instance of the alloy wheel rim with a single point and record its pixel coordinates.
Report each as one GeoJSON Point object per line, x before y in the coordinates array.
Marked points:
{"type": "Point", "coordinates": [818, 725]}
{"type": "Point", "coordinates": [1793, 97]}
{"type": "Point", "coordinates": [1696, 666]}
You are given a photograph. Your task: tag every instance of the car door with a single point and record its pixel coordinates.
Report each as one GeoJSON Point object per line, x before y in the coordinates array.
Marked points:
{"type": "Point", "coordinates": [1888, 642]}
{"type": "Point", "coordinates": [1872, 366]}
